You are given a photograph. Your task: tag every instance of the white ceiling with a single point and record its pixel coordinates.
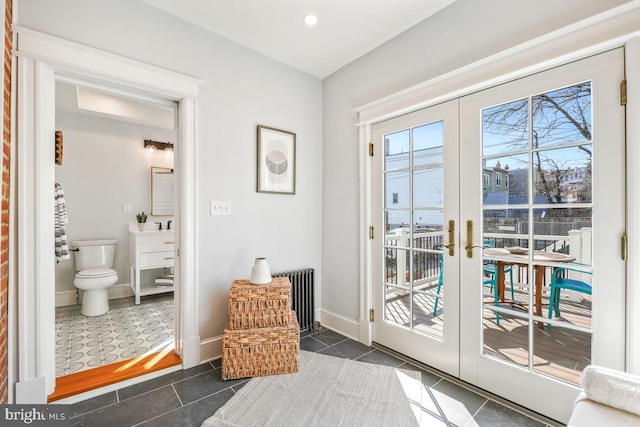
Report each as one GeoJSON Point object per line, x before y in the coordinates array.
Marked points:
{"type": "Point", "coordinates": [346, 29]}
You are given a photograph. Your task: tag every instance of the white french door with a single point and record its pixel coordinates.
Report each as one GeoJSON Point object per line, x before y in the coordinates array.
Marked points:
{"type": "Point", "coordinates": [416, 189]}
{"type": "Point", "coordinates": [544, 170]}
{"type": "Point", "coordinates": [537, 165]}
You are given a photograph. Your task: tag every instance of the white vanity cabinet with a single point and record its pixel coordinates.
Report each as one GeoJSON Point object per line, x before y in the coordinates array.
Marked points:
{"type": "Point", "coordinates": [150, 250]}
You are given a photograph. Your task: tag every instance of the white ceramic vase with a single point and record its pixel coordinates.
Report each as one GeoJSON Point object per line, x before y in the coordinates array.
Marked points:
{"type": "Point", "coordinates": [260, 272]}
{"type": "Point", "coordinates": [142, 226]}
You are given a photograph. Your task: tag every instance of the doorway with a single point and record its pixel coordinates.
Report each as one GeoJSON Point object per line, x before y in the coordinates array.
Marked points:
{"type": "Point", "coordinates": [540, 166]}
{"type": "Point", "coordinates": [38, 66]}
{"type": "Point", "coordinates": [106, 174]}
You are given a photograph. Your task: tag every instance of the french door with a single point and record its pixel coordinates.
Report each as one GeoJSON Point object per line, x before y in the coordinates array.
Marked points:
{"type": "Point", "coordinates": [478, 216]}
{"type": "Point", "coordinates": [417, 199]}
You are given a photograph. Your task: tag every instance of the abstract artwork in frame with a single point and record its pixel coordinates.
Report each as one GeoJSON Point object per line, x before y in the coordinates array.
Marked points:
{"type": "Point", "coordinates": [276, 161]}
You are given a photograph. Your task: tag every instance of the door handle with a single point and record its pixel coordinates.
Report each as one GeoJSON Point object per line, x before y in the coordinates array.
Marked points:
{"type": "Point", "coordinates": [470, 246]}
{"type": "Point", "coordinates": [452, 242]}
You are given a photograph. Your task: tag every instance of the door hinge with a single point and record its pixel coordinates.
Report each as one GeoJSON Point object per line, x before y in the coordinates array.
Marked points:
{"type": "Point", "coordinates": [623, 92]}
{"type": "Point", "coordinates": [371, 232]}
{"type": "Point", "coordinates": [623, 247]}
{"type": "Point", "coordinates": [371, 315]}
{"type": "Point", "coordinates": [370, 149]}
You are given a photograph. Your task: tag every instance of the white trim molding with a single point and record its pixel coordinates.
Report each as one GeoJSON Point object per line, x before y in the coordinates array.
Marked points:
{"type": "Point", "coordinates": [343, 325]}
{"type": "Point", "coordinates": [632, 65]}
{"type": "Point", "coordinates": [593, 35]}
{"type": "Point", "coordinates": [365, 333]}
{"type": "Point", "coordinates": [42, 58]}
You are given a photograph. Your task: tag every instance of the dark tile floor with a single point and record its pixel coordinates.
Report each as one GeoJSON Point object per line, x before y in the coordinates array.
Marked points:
{"type": "Point", "coordinates": [187, 398]}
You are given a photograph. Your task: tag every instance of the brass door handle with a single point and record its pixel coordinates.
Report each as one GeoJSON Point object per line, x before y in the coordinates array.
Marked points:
{"type": "Point", "coordinates": [452, 239]}
{"type": "Point", "coordinates": [470, 246]}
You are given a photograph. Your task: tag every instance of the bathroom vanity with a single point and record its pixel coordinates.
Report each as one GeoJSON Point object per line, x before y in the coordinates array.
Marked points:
{"type": "Point", "coordinates": [150, 250]}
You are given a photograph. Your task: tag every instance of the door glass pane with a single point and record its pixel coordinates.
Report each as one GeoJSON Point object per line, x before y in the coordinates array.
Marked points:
{"type": "Point", "coordinates": [562, 116]}
{"type": "Point", "coordinates": [396, 190]}
{"type": "Point", "coordinates": [562, 175]}
{"type": "Point", "coordinates": [396, 267]}
{"type": "Point", "coordinates": [424, 319]}
{"type": "Point", "coordinates": [505, 337]}
{"type": "Point", "coordinates": [567, 364]}
{"type": "Point", "coordinates": [505, 180]}
{"type": "Point", "coordinates": [503, 228]}
{"type": "Point", "coordinates": [427, 186]}
{"type": "Point", "coordinates": [505, 128]}
{"type": "Point", "coordinates": [396, 150]}
{"type": "Point", "coordinates": [427, 228]}
{"type": "Point", "coordinates": [397, 306]}
{"type": "Point", "coordinates": [531, 252]}
{"type": "Point", "coordinates": [397, 228]}
{"type": "Point", "coordinates": [427, 144]}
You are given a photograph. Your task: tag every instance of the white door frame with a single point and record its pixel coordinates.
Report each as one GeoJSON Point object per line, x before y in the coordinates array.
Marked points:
{"type": "Point", "coordinates": [614, 28]}
{"type": "Point", "coordinates": [38, 58]}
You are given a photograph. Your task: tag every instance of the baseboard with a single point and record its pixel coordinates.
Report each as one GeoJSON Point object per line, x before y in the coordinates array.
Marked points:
{"type": "Point", "coordinates": [121, 290]}
{"type": "Point", "coordinates": [338, 323]}
{"type": "Point", "coordinates": [211, 349]}
{"type": "Point", "coordinates": [66, 298]}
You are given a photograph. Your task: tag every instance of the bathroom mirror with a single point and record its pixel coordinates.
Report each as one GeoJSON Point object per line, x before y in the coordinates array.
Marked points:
{"type": "Point", "coordinates": [161, 191]}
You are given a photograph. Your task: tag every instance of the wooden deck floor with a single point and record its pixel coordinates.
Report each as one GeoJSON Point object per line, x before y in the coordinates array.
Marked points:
{"type": "Point", "coordinates": [558, 352]}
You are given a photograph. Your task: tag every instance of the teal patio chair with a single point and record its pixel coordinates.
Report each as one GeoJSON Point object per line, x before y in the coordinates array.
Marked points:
{"type": "Point", "coordinates": [441, 261]}
{"type": "Point", "coordinates": [558, 282]}
{"type": "Point", "coordinates": [489, 268]}
{"type": "Point", "coordinates": [490, 278]}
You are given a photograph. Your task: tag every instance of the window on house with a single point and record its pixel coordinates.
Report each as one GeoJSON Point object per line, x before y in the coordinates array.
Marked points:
{"type": "Point", "coordinates": [506, 180]}
{"type": "Point", "coordinates": [395, 198]}
{"type": "Point", "coordinates": [486, 179]}
{"type": "Point", "coordinates": [499, 179]}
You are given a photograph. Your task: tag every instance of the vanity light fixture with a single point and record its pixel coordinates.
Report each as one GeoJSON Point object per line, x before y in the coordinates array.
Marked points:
{"type": "Point", "coordinates": [152, 145]}
{"type": "Point", "coordinates": [310, 20]}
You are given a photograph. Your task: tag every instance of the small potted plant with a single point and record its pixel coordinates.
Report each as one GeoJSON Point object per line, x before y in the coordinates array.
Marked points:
{"type": "Point", "coordinates": [141, 217]}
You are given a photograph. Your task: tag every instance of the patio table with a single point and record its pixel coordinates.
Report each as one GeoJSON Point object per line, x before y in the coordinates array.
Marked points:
{"type": "Point", "coordinates": [504, 257]}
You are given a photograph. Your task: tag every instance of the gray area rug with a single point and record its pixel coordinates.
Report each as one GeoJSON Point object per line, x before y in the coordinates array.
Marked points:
{"type": "Point", "coordinates": [327, 391]}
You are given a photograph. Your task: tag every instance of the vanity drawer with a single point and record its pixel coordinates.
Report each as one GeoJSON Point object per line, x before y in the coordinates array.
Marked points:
{"type": "Point", "coordinates": [156, 243]}
{"type": "Point", "coordinates": [157, 259]}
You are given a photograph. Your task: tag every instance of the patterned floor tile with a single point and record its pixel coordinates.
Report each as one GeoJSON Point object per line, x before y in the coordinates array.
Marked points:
{"type": "Point", "coordinates": [125, 331]}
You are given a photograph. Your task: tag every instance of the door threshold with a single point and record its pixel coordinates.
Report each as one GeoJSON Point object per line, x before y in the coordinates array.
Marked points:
{"type": "Point", "coordinates": [91, 379]}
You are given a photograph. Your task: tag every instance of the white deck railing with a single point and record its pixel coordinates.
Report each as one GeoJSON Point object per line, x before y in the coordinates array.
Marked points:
{"type": "Point", "coordinates": [578, 241]}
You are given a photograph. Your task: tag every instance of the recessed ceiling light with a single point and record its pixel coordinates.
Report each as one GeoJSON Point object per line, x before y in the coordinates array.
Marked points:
{"type": "Point", "coordinates": [310, 19]}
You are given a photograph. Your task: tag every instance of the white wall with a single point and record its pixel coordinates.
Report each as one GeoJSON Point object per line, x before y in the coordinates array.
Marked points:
{"type": "Point", "coordinates": [105, 166]}
{"type": "Point", "coordinates": [462, 33]}
{"type": "Point", "coordinates": [241, 89]}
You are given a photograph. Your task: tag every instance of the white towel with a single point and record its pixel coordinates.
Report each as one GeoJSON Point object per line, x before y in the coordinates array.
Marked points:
{"type": "Point", "coordinates": [62, 249]}
{"type": "Point", "coordinates": [613, 388]}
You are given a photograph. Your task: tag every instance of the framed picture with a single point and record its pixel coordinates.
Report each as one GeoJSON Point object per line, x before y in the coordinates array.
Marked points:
{"type": "Point", "coordinates": [276, 161]}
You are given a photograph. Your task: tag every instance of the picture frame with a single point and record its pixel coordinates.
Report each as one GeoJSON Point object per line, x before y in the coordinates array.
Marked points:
{"type": "Point", "coordinates": [276, 161]}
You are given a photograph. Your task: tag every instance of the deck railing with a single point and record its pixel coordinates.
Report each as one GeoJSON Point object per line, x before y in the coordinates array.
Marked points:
{"type": "Point", "coordinates": [425, 265]}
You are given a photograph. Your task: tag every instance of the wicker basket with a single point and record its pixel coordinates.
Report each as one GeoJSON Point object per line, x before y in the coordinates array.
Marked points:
{"type": "Point", "coordinates": [259, 306]}
{"type": "Point", "coordinates": [260, 351]}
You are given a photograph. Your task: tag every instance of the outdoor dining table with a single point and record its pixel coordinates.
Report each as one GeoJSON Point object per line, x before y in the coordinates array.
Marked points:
{"type": "Point", "coordinates": [503, 257]}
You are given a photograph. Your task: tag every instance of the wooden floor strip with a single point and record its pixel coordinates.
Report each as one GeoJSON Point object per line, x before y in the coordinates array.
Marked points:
{"type": "Point", "coordinates": [91, 379]}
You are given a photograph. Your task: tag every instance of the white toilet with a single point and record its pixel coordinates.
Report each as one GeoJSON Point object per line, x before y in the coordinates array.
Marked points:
{"type": "Point", "coordinates": [94, 264]}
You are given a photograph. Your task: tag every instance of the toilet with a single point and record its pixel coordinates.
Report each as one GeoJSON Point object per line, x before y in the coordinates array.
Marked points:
{"type": "Point", "coordinates": [94, 264]}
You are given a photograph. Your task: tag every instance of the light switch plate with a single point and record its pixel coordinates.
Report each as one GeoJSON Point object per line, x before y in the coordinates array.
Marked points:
{"type": "Point", "coordinates": [220, 207]}
{"type": "Point", "coordinates": [126, 208]}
